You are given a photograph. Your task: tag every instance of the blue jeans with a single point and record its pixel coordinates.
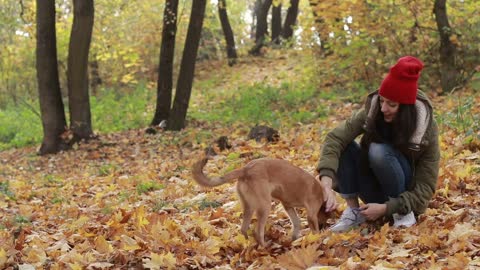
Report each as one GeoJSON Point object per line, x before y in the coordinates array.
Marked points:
{"type": "Point", "coordinates": [389, 174]}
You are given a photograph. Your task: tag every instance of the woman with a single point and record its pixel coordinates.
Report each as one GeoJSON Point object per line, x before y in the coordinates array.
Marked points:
{"type": "Point", "coordinates": [394, 169]}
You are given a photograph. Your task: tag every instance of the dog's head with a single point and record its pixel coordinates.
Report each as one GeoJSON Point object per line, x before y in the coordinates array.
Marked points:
{"type": "Point", "coordinates": [322, 214]}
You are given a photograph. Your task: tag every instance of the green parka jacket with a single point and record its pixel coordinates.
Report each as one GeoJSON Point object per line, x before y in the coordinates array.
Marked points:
{"type": "Point", "coordinates": [424, 153]}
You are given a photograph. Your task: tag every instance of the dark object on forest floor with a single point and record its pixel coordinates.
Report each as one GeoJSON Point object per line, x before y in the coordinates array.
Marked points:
{"type": "Point", "coordinates": [221, 144]}
{"type": "Point", "coordinates": [263, 132]}
{"type": "Point", "coordinates": [151, 131]}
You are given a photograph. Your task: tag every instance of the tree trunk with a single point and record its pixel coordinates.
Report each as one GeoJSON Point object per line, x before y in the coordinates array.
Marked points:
{"type": "Point", "coordinates": [262, 26]}
{"type": "Point", "coordinates": [449, 73]}
{"type": "Point", "coordinates": [51, 105]}
{"type": "Point", "coordinates": [254, 8]}
{"type": "Point", "coordinates": [276, 23]}
{"type": "Point", "coordinates": [227, 31]}
{"type": "Point", "coordinates": [165, 68]}
{"type": "Point", "coordinates": [178, 114]}
{"type": "Point", "coordinates": [319, 21]}
{"type": "Point", "coordinates": [290, 20]}
{"type": "Point", "coordinates": [95, 79]}
{"type": "Point", "coordinates": [77, 72]}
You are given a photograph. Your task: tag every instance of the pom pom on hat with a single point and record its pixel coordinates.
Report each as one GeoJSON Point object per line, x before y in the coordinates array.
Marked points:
{"type": "Point", "coordinates": [400, 84]}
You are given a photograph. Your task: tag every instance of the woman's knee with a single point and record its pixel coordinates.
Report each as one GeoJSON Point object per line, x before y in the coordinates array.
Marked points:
{"type": "Point", "coordinates": [377, 152]}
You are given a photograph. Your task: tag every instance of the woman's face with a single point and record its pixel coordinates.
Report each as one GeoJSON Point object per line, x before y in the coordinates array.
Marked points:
{"type": "Point", "coordinates": [389, 109]}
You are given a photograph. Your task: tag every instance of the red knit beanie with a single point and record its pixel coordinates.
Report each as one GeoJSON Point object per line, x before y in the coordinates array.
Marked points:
{"type": "Point", "coordinates": [400, 84]}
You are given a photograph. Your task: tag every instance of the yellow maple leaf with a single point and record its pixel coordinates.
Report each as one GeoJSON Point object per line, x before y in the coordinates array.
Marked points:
{"type": "Point", "coordinates": [102, 246]}
{"type": "Point", "coordinates": [82, 220]}
{"type": "Point", "coordinates": [161, 233]}
{"type": "Point", "coordinates": [99, 195]}
{"type": "Point", "coordinates": [36, 255]}
{"type": "Point", "coordinates": [3, 257]}
{"type": "Point", "coordinates": [457, 261]}
{"type": "Point", "coordinates": [379, 238]}
{"type": "Point", "coordinates": [306, 240]}
{"type": "Point", "coordinates": [241, 240]}
{"type": "Point", "coordinates": [171, 225]}
{"type": "Point", "coordinates": [75, 266]}
{"type": "Point", "coordinates": [462, 232]}
{"type": "Point", "coordinates": [301, 258]}
{"type": "Point", "coordinates": [320, 267]}
{"type": "Point", "coordinates": [129, 243]}
{"type": "Point", "coordinates": [160, 261]}
{"type": "Point", "coordinates": [140, 218]}
{"type": "Point", "coordinates": [464, 171]}
{"type": "Point", "coordinates": [212, 245]}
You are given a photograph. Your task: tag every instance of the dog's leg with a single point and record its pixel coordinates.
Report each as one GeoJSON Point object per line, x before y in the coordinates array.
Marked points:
{"type": "Point", "coordinates": [312, 217]}
{"type": "Point", "coordinates": [295, 221]}
{"type": "Point", "coordinates": [247, 209]}
{"type": "Point", "coordinates": [262, 199]}
{"type": "Point", "coordinates": [262, 216]}
{"type": "Point", "coordinates": [247, 218]}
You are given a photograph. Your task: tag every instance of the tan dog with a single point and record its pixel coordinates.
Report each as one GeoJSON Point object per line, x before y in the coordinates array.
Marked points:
{"type": "Point", "coordinates": [263, 179]}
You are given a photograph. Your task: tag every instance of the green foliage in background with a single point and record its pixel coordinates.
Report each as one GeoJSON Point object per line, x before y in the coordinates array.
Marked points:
{"type": "Point", "coordinates": [265, 104]}
{"type": "Point", "coordinates": [115, 110]}
{"type": "Point", "coordinates": [111, 111]}
{"type": "Point", "coordinates": [17, 133]}
{"type": "Point", "coordinates": [124, 55]}
{"type": "Point", "coordinates": [352, 48]}
{"type": "Point", "coordinates": [364, 38]}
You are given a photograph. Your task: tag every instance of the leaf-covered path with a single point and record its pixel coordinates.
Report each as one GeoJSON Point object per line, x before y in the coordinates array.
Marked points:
{"type": "Point", "coordinates": [127, 201]}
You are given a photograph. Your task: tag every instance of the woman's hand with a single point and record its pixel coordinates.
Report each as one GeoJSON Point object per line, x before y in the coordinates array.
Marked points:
{"type": "Point", "coordinates": [373, 211]}
{"type": "Point", "coordinates": [329, 195]}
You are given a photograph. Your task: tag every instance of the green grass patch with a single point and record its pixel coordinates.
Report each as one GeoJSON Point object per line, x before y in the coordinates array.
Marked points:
{"type": "Point", "coordinates": [123, 196]}
{"type": "Point", "coordinates": [209, 204]}
{"type": "Point", "coordinates": [20, 127]}
{"type": "Point", "coordinates": [159, 205]}
{"type": "Point", "coordinates": [106, 169]}
{"type": "Point", "coordinates": [52, 181]}
{"type": "Point", "coordinates": [144, 187]}
{"type": "Point", "coordinates": [463, 119]}
{"type": "Point", "coordinates": [5, 190]}
{"type": "Point", "coordinates": [57, 199]}
{"type": "Point", "coordinates": [19, 219]}
{"type": "Point", "coordinates": [111, 110]}
{"type": "Point", "coordinates": [265, 104]}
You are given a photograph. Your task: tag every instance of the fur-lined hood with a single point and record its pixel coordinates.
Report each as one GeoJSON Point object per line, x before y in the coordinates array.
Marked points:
{"type": "Point", "coordinates": [424, 118]}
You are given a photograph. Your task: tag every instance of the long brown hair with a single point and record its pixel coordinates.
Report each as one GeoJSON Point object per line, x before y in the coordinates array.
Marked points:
{"type": "Point", "coordinates": [403, 127]}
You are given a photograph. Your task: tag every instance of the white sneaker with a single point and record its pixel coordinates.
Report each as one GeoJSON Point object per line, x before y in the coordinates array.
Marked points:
{"type": "Point", "coordinates": [350, 218]}
{"type": "Point", "coordinates": [407, 220]}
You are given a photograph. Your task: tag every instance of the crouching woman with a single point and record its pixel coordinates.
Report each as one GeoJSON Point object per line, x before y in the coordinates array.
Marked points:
{"type": "Point", "coordinates": [395, 167]}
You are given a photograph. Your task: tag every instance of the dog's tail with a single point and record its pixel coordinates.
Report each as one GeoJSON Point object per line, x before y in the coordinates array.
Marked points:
{"type": "Point", "coordinates": [203, 180]}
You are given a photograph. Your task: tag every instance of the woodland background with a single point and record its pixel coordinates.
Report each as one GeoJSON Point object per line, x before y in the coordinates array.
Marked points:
{"type": "Point", "coordinates": [121, 196]}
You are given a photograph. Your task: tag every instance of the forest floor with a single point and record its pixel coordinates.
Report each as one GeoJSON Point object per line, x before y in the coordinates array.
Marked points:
{"type": "Point", "coordinates": [128, 201]}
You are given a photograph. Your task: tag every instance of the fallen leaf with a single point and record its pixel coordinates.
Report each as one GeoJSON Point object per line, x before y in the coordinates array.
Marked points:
{"type": "Point", "coordinates": [99, 265]}
{"type": "Point", "coordinates": [300, 258]}
{"type": "Point", "coordinates": [129, 243]}
{"type": "Point", "coordinates": [102, 246]}
{"type": "Point", "coordinates": [3, 257]}
{"type": "Point", "coordinates": [160, 261]}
